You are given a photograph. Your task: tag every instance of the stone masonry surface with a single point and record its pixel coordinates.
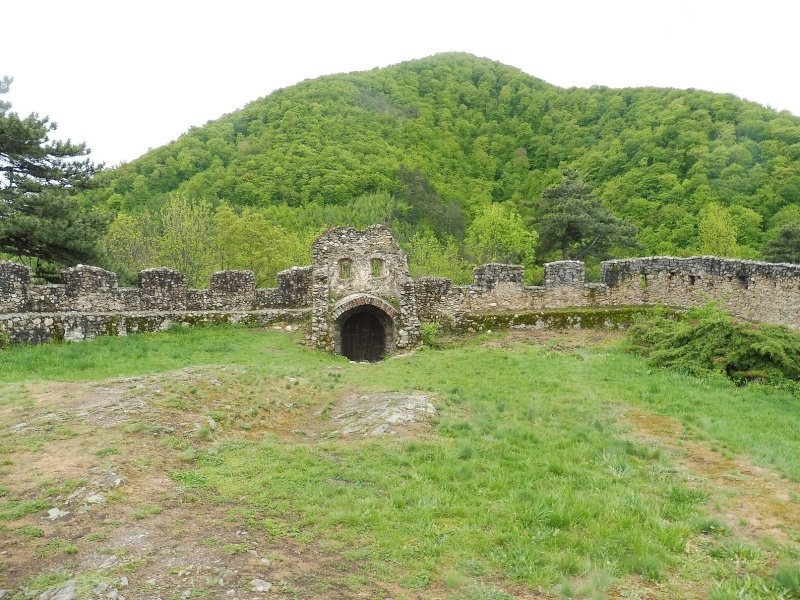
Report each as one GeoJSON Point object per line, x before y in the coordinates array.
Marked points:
{"type": "Point", "coordinates": [367, 271]}
{"type": "Point", "coordinates": [362, 271]}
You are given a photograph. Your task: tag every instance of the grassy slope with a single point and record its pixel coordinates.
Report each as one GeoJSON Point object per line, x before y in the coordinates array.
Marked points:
{"type": "Point", "coordinates": [530, 477]}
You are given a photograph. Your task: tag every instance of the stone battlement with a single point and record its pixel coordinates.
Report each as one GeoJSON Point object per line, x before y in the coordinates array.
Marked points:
{"type": "Point", "coordinates": [89, 302]}
{"type": "Point", "coordinates": [366, 271]}
{"type": "Point", "coordinates": [755, 291]}
{"type": "Point", "coordinates": [93, 289]}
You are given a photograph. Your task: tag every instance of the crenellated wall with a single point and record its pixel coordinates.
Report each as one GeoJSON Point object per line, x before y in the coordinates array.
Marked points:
{"type": "Point", "coordinates": [755, 291]}
{"type": "Point", "coordinates": [89, 302]}
{"type": "Point", "coordinates": [375, 278]}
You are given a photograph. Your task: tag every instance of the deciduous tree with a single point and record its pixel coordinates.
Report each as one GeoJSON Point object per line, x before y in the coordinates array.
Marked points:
{"type": "Point", "coordinates": [131, 243]}
{"type": "Point", "coordinates": [250, 241]}
{"type": "Point", "coordinates": [430, 256]}
{"type": "Point", "coordinates": [186, 237]}
{"type": "Point", "coordinates": [717, 231]}
{"type": "Point", "coordinates": [498, 234]}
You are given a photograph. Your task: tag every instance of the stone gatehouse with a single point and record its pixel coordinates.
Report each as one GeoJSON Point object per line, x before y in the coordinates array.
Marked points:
{"type": "Point", "coordinates": [362, 302]}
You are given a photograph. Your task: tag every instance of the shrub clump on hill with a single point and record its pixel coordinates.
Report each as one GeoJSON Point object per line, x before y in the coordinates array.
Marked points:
{"type": "Point", "coordinates": [708, 340]}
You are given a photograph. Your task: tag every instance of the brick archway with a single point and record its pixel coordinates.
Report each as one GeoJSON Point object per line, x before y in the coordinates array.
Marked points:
{"type": "Point", "coordinates": [353, 301]}
{"type": "Point", "coordinates": [364, 327]}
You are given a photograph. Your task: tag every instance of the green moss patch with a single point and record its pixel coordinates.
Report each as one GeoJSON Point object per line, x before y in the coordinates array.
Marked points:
{"type": "Point", "coordinates": [567, 318]}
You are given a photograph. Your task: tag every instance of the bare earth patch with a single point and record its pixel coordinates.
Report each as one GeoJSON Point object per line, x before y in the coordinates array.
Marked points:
{"type": "Point", "coordinates": [103, 405]}
{"type": "Point", "coordinates": [564, 340]}
{"type": "Point", "coordinates": [109, 512]}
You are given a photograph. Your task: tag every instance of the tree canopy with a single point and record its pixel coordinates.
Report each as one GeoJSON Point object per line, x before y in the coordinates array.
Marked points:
{"type": "Point", "coordinates": [498, 235]}
{"type": "Point", "coordinates": [432, 148]}
{"type": "Point", "coordinates": [40, 219]}
{"type": "Point", "coordinates": [718, 232]}
{"type": "Point", "coordinates": [447, 135]}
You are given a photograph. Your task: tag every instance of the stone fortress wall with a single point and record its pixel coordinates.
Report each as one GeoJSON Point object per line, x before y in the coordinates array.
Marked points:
{"type": "Point", "coordinates": [355, 271]}
{"type": "Point", "coordinates": [754, 291]}
{"type": "Point", "coordinates": [89, 302]}
{"type": "Point", "coordinates": [361, 271]}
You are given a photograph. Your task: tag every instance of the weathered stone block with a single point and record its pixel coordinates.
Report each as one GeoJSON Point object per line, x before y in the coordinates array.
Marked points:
{"type": "Point", "coordinates": [84, 280]}
{"type": "Point", "coordinates": [491, 274]}
{"type": "Point", "coordinates": [233, 282]}
{"type": "Point", "coordinates": [564, 272]}
{"type": "Point", "coordinates": [15, 281]}
{"type": "Point", "coordinates": [162, 279]}
{"type": "Point", "coordinates": [294, 286]}
{"type": "Point", "coordinates": [162, 288]}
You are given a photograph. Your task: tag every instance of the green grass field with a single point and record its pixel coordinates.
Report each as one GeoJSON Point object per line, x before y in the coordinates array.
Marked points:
{"type": "Point", "coordinates": [536, 479]}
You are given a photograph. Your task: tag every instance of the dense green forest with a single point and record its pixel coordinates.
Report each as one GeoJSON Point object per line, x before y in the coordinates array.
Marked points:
{"type": "Point", "coordinates": [431, 147]}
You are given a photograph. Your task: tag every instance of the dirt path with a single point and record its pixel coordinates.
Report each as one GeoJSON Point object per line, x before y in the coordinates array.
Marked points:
{"type": "Point", "coordinates": [123, 526]}
{"type": "Point", "coordinates": [753, 501]}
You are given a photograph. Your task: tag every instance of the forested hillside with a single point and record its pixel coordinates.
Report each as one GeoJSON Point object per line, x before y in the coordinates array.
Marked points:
{"type": "Point", "coordinates": [429, 144]}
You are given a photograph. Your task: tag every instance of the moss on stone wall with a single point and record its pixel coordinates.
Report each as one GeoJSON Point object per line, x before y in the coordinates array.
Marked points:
{"type": "Point", "coordinates": [566, 318]}
{"type": "Point", "coordinates": [393, 301]}
{"type": "Point", "coordinates": [215, 319]}
{"type": "Point", "coordinates": [112, 326]}
{"type": "Point", "coordinates": [138, 323]}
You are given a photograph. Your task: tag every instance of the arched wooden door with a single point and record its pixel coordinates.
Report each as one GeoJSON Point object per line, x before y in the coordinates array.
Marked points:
{"type": "Point", "coordinates": [363, 337]}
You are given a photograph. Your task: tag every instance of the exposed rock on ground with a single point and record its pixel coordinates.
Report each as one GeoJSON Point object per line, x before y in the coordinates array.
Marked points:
{"type": "Point", "coordinates": [383, 413]}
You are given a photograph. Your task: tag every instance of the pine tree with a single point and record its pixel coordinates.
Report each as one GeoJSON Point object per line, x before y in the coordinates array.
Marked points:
{"type": "Point", "coordinates": [39, 217]}
{"type": "Point", "coordinates": [570, 219]}
{"type": "Point", "coordinates": [786, 245]}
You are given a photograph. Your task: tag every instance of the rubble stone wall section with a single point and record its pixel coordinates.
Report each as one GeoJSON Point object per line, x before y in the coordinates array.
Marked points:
{"type": "Point", "coordinates": [350, 269]}
{"type": "Point", "coordinates": [38, 328]}
{"type": "Point", "coordinates": [89, 302]}
{"type": "Point", "coordinates": [755, 291]}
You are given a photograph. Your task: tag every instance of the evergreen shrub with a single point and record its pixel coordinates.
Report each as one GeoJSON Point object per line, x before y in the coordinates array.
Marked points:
{"type": "Point", "coordinates": [709, 340]}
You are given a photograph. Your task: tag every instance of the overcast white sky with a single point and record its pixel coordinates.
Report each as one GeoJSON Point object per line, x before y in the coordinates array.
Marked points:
{"type": "Point", "coordinates": [128, 75]}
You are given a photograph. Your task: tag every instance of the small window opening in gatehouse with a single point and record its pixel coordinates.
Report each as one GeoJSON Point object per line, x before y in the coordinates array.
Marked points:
{"type": "Point", "coordinates": [692, 279]}
{"type": "Point", "coordinates": [377, 267]}
{"type": "Point", "coordinates": [345, 265]}
{"type": "Point", "coordinates": [643, 280]}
